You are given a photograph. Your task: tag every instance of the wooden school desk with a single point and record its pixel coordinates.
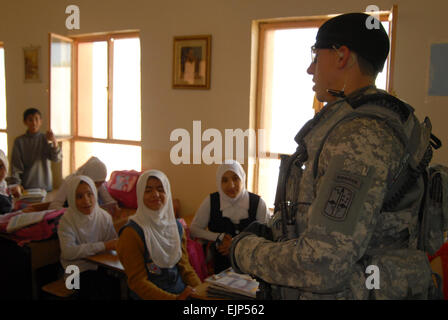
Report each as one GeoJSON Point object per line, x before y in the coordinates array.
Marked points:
{"type": "Point", "coordinates": [110, 261]}
{"type": "Point", "coordinates": [19, 266]}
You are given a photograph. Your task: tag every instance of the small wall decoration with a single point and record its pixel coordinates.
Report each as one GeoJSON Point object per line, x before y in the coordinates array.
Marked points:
{"type": "Point", "coordinates": [32, 63]}
{"type": "Point", "coordinates": [191, 62]}
{"type": "Point", "coordinates": [438, 70]}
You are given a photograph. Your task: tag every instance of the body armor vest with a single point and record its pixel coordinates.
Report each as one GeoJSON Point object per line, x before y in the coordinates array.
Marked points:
{"type": "Point", "coordinates": [296, 189]}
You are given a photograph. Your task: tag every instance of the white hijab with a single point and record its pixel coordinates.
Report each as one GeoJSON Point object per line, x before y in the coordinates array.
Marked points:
{"type": "Point", "coordinates": [3, 184]}
{"type": "Point", "coordinates": [160, 228]}
{"type": "Point", "coordinates": [86, 225]}
{"type": "Point", "coordinates": [236, 208]}
{"type": "Point", "coordinates": [93, 168]}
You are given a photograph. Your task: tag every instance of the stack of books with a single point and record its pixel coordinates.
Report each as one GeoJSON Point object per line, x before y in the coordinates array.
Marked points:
{"type": "Point", "coordinates": [33, 195]}
{"type": "Point", "coordinates": [230, 285]}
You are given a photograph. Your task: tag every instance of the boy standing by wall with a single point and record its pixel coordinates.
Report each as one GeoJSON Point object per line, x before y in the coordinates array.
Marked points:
{"type": "Point", "coordinates": [32, 153]}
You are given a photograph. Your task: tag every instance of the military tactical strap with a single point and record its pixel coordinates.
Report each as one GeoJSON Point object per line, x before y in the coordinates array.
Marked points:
{"type": "Point", "coordinates": [415, 160]}
{"type": "Point", "coordinates": [388, 101]}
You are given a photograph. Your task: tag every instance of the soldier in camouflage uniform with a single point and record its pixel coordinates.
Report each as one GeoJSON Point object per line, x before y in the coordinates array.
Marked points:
{"type": "Point", "coordinates": [337, 184]}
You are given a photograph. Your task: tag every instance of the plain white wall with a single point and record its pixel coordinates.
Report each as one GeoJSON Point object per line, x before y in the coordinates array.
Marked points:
{"type": "Point", "coordinates": [226, 104]}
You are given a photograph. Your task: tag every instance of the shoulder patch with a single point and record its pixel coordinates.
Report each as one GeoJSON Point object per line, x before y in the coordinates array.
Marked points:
{"type": "Point", "coordinates": [340, 198]}
{"type": "Point", "coordinates": [338, 203]}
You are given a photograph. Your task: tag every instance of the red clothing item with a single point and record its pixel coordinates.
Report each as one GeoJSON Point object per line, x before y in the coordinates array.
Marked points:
{"type": "Point", "coordinates": [443, 254]}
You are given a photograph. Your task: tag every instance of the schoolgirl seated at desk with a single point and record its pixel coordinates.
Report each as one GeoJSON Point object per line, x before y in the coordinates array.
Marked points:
{"type": "Point", "coordinates": [84, 230]}
{"type": "Point", "coordinates": [223, 214]}
{"type": "Point", "coordinates": [152, 246]}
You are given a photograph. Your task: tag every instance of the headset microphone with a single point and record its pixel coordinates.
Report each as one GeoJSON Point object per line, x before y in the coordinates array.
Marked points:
{"type": "Point", "coordinates": [336, 93]}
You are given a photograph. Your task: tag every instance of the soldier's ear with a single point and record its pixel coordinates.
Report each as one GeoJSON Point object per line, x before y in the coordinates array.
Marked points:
{"type": "Point", "coordinates": [353, 59]}
{"type": "Point", "coordinates": [344, 54]}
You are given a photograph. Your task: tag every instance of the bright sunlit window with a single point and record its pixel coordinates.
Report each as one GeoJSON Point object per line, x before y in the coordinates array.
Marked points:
{"type": "Point", "coordinates": [127, 92]}
{"type": "Point", "coordinates": [92, 89]}
{"type": "Point", "coordinates": [61, 85]}
{"type": "Point", "coordinates": [107, 104]}
{"type": "Point", "coordinates": [3, 134]}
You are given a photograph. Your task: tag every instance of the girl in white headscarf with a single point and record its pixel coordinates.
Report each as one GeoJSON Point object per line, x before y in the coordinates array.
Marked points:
{"type": "Point", "coordinates": [84, 230]}
{"type": "Point", "coordinates": [224, 214]}
{"type": "Point", "coordinates": [152, 246]}
{"type": "Point", "coordinates": [6, 193]}
{"type": "Point", "coordinates": [5, 197]}
{"type": "Point", "coordinates": [95, 169]}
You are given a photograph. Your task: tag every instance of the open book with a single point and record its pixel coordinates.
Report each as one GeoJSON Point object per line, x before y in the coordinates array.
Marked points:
{"type": "Point", "coordinates": [231, 285]}
{"type": "Point", "coordinates": [25, 219]}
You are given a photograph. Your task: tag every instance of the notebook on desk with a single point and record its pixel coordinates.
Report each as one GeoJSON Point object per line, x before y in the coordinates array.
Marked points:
{"type": "Point", "coordinates": [25, 219]}
{"type": "Point", "coordinates": [230, 285]}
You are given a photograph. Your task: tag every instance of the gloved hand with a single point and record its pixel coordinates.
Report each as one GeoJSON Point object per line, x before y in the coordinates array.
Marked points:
{"type": "Point", "coordinates": [259, 229]}
{"type": "Point", "coordinates": [255, 228]}
{"type": "Point", "coordinates": [235, 241]}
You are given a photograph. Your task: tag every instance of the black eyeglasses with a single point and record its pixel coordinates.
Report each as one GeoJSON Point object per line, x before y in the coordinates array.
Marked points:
{"type": "Point", "coordinates": [314, 51]}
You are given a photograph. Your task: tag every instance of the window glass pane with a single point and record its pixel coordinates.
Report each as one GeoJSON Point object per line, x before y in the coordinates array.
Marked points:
{"type": "Point", "coordinates": [115, 156]}
{"type": "Point", "coordinates": [4, 142]}
{"type": "Point", "coordinates": [66, 151]}
{"type": "Point", "coordinates": [126, 89]}
{"type": "Point", "coordinates": [92, 89]}
{"type": "Point", "coordinates": [291, 91]}
{"type": "Point", "coordinates": [61, 87]}
{"type": "Point", "coordinates": [2, 90]}
{"type": "Point", "coordinates": [267, 183]}
{"type": "Point", "coordinates": [381, 78]}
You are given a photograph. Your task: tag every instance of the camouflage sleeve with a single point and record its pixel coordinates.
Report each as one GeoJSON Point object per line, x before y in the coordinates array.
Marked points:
{"type": "Point", "coordinates": [354, 166]}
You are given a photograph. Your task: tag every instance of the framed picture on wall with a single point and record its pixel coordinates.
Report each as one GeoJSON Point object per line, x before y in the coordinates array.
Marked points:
{"type": "Point", "coordinates": [191, 62]}
{"type": "Point", "coordinates": [32, 63]}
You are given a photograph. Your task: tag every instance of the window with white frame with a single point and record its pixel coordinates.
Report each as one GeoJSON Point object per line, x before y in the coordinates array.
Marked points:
{"type": "Point", "coordinates": [106, 111]}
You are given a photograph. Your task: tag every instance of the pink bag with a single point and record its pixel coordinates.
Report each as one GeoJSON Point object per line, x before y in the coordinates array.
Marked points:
{"type": "Point", "coordinates": [35, 232]}
{"type": "Point", "coordinates": [195, 254]}
{"type": "Point", "coordinates": [122, 186]}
